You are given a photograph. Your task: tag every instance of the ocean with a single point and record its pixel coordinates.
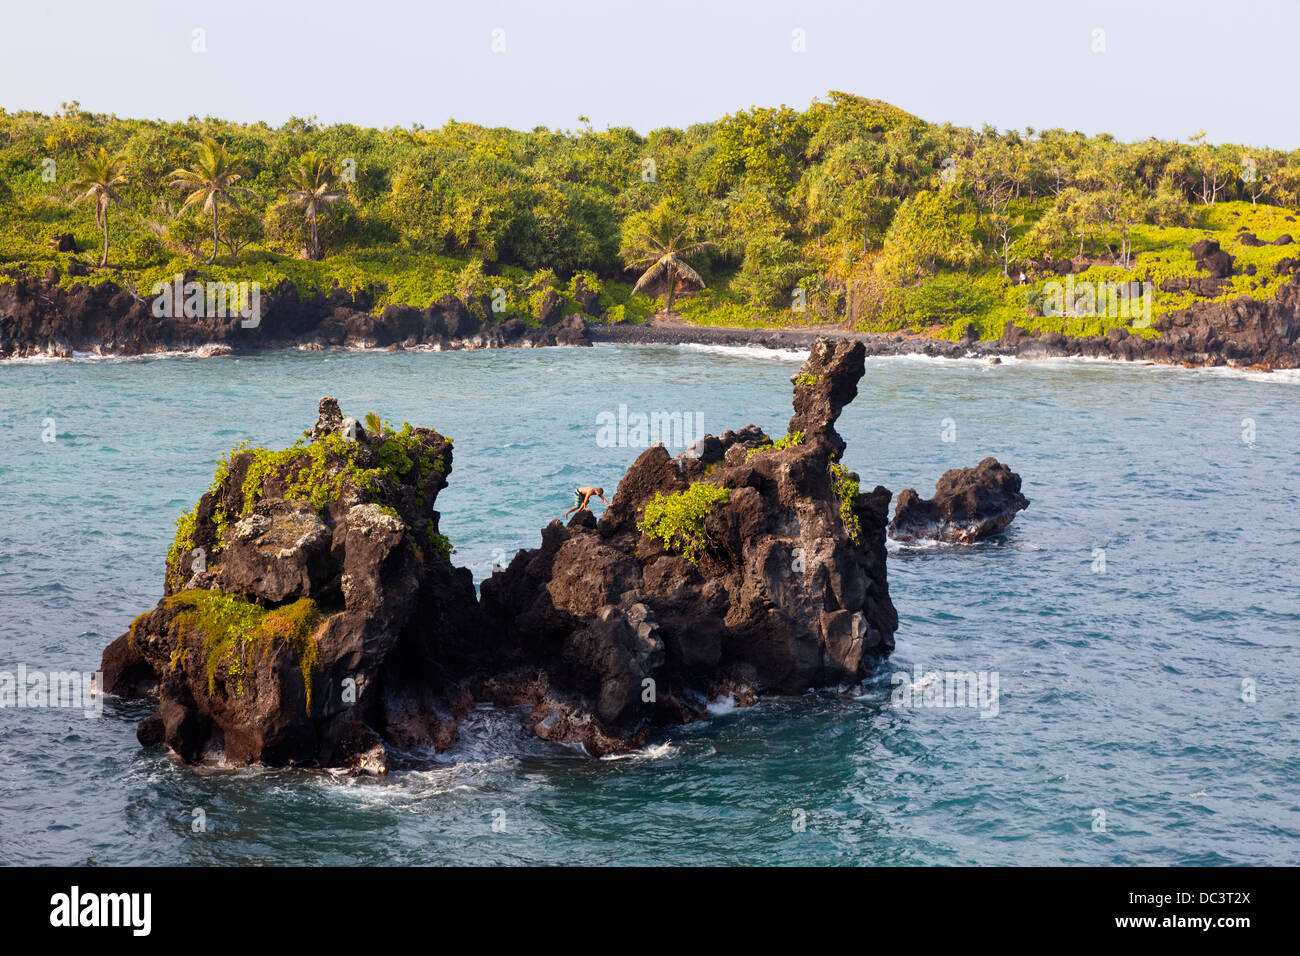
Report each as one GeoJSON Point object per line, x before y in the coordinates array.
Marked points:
{"type": "Point", "coordinates": [1140, 619]}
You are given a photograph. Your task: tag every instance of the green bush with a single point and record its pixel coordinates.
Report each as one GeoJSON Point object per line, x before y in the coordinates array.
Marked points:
{"type": "Point", "coordinates": [786, 441]}
{"type": "Point", "coordinates": [845, 487]}
{"type": "Point", "coordinates": [946, 298]}
{"type": "Point", "coordinates": [677, 520]}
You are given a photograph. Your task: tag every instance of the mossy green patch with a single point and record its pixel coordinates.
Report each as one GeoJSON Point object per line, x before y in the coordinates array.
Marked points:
{"type": "Point", "coordinates": [182, 544]}
{"type": "Point", "coordinates": [183, 541]}
{"type": "Point", "coordinates": [321, 471]}
{"type": "Point", "coordinates": [786, 441]}
{"type": "Point", "coordinates": [318, 472]}
{"type": "Point", "coordinates": [441, 543]}
{"type": "Point", "coordinates": [234, 630]}
{"type": "Point", "coordinates": [135, 625]}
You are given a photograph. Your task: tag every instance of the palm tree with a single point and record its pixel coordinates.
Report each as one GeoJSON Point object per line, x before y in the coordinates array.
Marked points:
{"type": "Point", "coordinates": [311, 193]}
{"type": "Point", "coordinates": [98, 177]}
{"type": "Point", "coordinates": [659, 245]}
{"type": "Point", "coordinates": [212, 179]}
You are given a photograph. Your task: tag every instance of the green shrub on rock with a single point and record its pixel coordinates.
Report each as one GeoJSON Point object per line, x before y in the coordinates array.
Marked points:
{"type": "Point", "coordinates": [677, 520]}
{"type": "Point", "coordinates": [846, 489]}
{"type": "Point", "coordinates": [788, 441]}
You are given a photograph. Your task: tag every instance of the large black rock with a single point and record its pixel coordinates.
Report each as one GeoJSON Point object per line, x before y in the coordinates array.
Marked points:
{"type": "Point", "coordinates": [968, 504]}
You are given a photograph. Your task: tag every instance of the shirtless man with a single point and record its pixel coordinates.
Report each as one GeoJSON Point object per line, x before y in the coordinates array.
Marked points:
{"type": "Point", "coordinates": [583, 495]}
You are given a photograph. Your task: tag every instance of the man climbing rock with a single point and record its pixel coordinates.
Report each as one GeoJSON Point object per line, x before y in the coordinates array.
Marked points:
{"type": "Point", "coordinates": [583, 495]}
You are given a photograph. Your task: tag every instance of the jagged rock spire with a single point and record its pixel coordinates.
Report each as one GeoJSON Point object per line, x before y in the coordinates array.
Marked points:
{"type": "Point", "coordinates": [824, 384]}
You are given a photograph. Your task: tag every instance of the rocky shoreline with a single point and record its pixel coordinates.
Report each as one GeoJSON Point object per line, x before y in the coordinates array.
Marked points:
{"type": "Point", "coordinates": [39, 318]}
{"type": "Point", "coordinates": [1244, 333]}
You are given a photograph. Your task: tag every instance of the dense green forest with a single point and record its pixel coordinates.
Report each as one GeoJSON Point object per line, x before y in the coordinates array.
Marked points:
{"type": "Point", "coordinates": [851, 211]}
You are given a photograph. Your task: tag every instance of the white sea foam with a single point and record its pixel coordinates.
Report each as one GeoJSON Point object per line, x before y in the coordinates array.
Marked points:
{"type": "Point", "coordinates": [724, 705]}
{"type": "Point", "coordinates": [1281, 376]}
{"type": "Point", "coordinates": [412, 787]}
{"type": "Point", "coordinates": [214, 350]}
{"type": "Point", "coordinates": [920, 544]}
{"type": "Point", "coordinates": [207, 350]}
{"type": "Point", "coordinates": [1284, 376]}
{"type": "Point", "coordinates": [923, 359]}
{"type": "Point", "coordinates": [653, 752]}
{"type": "Point", "coordinates": [746, 351]}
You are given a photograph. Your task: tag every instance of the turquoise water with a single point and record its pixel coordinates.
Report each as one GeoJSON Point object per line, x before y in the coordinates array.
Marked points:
{"type": "Point", "coordinates": [1120, 691]}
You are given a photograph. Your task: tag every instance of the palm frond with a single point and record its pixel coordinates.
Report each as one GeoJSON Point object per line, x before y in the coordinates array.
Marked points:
{"type": "Point", "coordinates": [184, 177]}
{"type": "Point", "coordinates": [639, 260]}
{"type": "Point", "coordinates": [687, 273]}
{"type": "Point", "coordinates": [198, 195]}
{"type": "Point", "coordinates": [651, 276]}
{"type": "Point", "coordinates": [697, 248]}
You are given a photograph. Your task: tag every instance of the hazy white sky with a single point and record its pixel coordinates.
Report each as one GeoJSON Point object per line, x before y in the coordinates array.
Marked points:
{"type": "Point", "coordinates": [1169, 67]}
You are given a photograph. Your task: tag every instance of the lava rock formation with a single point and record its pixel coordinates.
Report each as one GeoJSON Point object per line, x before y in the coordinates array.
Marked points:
{"type": "Point", "coordinates": [312, 614]}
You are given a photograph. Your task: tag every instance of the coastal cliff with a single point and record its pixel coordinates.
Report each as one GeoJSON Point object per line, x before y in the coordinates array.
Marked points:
{"type": "Point", "coordinates": [40, 317]}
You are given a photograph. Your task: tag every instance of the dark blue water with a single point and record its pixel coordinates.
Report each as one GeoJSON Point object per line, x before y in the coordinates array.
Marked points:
{"type": "Point", "coordinates": [1120, 692]}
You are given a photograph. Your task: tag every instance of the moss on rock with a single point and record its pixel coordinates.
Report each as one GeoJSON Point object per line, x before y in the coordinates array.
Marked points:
{"type": "Point", "coordinates": [787, 441]}
{"type": "Point", "coordinates": [233, 630]}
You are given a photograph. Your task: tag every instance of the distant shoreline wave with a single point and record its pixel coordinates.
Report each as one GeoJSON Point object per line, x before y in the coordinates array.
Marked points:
{"type": "Point", "coordinates": [758, 350]}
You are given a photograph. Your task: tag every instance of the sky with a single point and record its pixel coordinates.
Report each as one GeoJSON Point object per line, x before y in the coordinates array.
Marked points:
{"type": "Point", "coordinates": [1132, 68]}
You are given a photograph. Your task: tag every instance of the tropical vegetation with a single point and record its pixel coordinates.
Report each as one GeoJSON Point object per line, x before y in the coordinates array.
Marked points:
{"type": "Point", "coordinates": [851, 212]}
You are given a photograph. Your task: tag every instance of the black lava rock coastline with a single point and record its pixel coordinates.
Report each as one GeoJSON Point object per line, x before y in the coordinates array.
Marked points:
{"type": "Point", "coordinates": [40, 318]}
